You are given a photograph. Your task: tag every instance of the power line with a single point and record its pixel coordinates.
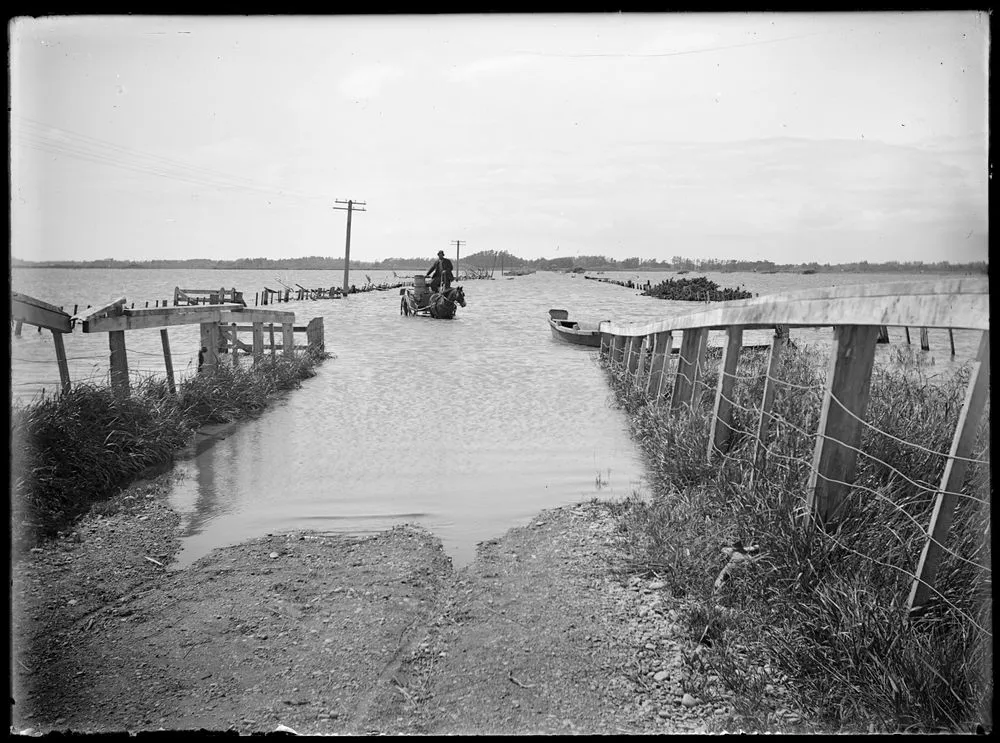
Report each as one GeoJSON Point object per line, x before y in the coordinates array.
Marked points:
{"type": "Point", "coordinates": [54, 140]}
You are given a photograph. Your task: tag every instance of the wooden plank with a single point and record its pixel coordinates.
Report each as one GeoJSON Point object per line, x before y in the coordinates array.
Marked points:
{"type": "Point", "coordinates": [234, 344]}
{"type": "Point", "coordinates": [143, 318]}
{"type": "Point", "coordinates": [209, 347]}
{"type": "Point", "coordinates": [835, 456]}
{"type": "Point", "coordinates": [168, 362]}
{"type": "Point", "coordinates": [689, 365]}
{"type": "Point", "coordinates": [114, 307]}
{"type": "Point", "coordinates": [57, 339]}
{"type": "Point", "coordinates": [961, 303]}
{"type": "Point", "coordinates": [720, 432]}
{"type": "Point", "coordinates": [27, 299]}
{"type": "Point", "coordinates": [767, 402]}
{"type": "Point", "coordinates": [287, 339]}
{"type": "Point", "coordinates": [25, 309]}
{"type": "Point", "coordinates": [617, 351]}
{"type": "Point", "coordinates": [258, 341]}
{"type": "Point", "coordinates": [661, 358]}
{"type": "Point", "coordinates": [314, 334]}
{"type": "Point", "coordinates": [119, 363]}
{"type": "Point", "coordinates": [962, 446]}
{"type": "Point", "coordinates": [271, 333]}
{"type": "Point", "coordinates": [641, 366]}
{"type": "Point", "coordinates": [701, 354]}
{"type": "Point", "coordinates": [632, 356]}
{"type": "Point", "coordinates": [925, 341]}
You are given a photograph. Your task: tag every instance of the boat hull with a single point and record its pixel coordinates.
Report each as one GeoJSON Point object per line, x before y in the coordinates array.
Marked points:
{"type": "Point", "coordinates": [591, 339]}
{"type": "Point", "coordinates": [571, 332]}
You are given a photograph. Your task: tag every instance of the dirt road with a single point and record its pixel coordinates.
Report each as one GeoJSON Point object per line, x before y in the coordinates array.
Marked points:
{"type": "Point", "coordinates": [333, 635]}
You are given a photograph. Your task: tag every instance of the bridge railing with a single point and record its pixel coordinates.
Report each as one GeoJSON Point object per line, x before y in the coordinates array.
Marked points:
{"type": "Point", "coordinates": [641, 356]}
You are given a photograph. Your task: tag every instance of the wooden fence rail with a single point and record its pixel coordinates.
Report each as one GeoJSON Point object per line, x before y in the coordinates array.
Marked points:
{"type": "Point", "coordinates": [858, 315]}
{"type": "Point", "coordinates": [25, 309]}
{"type": "Point", "coordinates": [220, 324]}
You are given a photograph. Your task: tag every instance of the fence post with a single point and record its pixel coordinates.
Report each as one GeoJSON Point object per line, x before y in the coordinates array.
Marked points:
{"type": "Point", "coordinates": [258, 342]}
{"type": "Point", "coordinates": [270, 330]}
{"type": "Point", "coordinates": [767, 402]}
{"type": "Point", "coordinates": [954, 475]}
{"type": "Point", "coordinates": [617, 351]}
{"type": "Point", "coordinates": [640, 368]}
{"type": "Point", "coordinates": [692, 356]}
{"type": "Point", "coordinates": [660, 362]}
{"type": "Point", "coordinates": [835, 456]}
{"type": "Point", "coordinates": [631, 357]}
{"type": "Point", "coordinates": [234, 346]}
{"type": "Point", "coordinates": [314, 334]}
{"type": "Point", "coordinates": [57, 339]}
{"type": "Point", "coordinates": [209, 346]}
{"type": "Point", "coordinates": [722, 416]}
{"type": "Point", "coordinates": [167, 361]}
{"type": "Point", "coordinates": [925, 340]}
{"type": "Point", "coordinates": [883, 334]}
{"type": "Point", "coordinates": [119, 363]}
{"type": "Point", "coordinates": [287, 339]}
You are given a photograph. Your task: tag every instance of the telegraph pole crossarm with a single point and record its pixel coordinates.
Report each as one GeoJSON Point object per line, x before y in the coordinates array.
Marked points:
{"type": "Point", "coordinates": [350, 206]}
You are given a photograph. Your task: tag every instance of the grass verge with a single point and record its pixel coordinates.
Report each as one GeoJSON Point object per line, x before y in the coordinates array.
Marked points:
{"type": "Point", "coordinates": [820, 616]}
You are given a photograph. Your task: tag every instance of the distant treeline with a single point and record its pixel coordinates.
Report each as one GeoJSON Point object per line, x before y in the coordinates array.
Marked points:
{"type": "Point", "coordinates": [502, 260]}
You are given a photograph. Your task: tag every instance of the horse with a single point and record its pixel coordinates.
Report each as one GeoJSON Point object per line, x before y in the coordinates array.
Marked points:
{"type": "Point", "coordinates": [442, 305]}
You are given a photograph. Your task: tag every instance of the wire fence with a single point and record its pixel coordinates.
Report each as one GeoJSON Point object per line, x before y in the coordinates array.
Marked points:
{"type": "Point", "coordinates": [778, 413]}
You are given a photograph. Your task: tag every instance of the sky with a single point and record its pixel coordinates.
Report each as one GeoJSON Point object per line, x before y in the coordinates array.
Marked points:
{"type": "Point", "coordinates": [789, 137]}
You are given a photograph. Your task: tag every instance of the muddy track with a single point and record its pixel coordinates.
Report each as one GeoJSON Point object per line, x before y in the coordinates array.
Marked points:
{"type": "Point", "coordinates": [336, 635]}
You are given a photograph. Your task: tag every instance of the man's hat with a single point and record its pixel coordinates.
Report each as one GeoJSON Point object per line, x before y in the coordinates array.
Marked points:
{"type": "Point", "coordinates": [441, 252]}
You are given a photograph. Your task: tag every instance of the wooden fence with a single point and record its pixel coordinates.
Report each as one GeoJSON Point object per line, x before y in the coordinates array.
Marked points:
{"type": "Point", "coordinates": [25, 309]}
{"type": "Point", "coordinates": [222, 295]}
{"type": "Point", "coordinates": [220, 328]}
{"type": "Point", "coordinates": [856, 314]}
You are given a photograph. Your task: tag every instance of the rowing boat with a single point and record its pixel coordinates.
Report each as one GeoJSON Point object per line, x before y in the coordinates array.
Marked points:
{"type": "Point", "coordinates": [573, 332]}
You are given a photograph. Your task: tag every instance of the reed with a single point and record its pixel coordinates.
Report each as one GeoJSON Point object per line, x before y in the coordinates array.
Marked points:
{"type": "Point", "coordinates": [823, 615]}
{"type": "Point", "coordinates": [71, 451]}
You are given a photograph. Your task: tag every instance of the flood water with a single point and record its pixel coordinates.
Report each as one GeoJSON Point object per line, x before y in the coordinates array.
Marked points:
{"type": "Point", "coordinates": [467, 427]}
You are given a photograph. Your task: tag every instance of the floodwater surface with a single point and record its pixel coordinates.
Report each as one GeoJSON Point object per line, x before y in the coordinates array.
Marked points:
{"type": "Point", "coordinates": [467, 427]}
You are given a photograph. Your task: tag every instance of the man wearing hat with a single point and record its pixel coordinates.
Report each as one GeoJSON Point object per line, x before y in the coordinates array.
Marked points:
{"type": "Point", "coordinates": [442, 270]}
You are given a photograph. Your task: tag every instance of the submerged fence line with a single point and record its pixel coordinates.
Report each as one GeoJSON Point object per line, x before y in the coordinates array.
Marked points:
{"type": "Point", "coordinates": [639, 356]}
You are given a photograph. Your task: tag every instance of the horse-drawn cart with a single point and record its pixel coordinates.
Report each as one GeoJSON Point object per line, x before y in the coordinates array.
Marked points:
{"type": "Point", "coordinates": [420, 300]}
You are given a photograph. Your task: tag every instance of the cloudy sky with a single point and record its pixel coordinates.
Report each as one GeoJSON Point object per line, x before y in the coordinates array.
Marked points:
{"type": "Point", "coordinates": [787, 137]}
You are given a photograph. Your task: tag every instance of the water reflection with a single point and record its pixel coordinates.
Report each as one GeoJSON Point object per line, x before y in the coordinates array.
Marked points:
{"type": "Point", "coordinates": [466, 427]}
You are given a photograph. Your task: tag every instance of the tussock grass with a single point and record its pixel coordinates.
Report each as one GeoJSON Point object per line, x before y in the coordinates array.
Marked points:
{"type": "Point", "coordinates": [74, 450]}
{"type": "Point", "coordinates": [823, 615]}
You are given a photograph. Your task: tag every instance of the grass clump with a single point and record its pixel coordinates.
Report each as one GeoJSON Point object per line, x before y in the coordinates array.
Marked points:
{"type": "Point", "coordinates": [74, 450]}
{"type": "Point", "coordinates": [822, 616]}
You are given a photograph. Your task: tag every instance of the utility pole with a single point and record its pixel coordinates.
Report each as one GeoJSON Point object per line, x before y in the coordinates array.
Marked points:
{"type": "Point", "coordinates": [458, 244]}
{"type": "Point", "coordinates": [351, 206]}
